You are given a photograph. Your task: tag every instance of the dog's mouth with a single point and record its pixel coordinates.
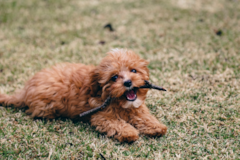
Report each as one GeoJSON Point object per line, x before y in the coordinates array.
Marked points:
{"type": "Point", "coordinates": [131, 94]}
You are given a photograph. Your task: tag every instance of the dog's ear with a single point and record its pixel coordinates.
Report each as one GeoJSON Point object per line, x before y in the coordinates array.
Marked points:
{"type": "Point", "coordinates": [94, 85]}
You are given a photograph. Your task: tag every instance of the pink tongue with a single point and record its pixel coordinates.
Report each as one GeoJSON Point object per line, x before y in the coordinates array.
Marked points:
{"type": "Point", "coordinates": [130, 94]}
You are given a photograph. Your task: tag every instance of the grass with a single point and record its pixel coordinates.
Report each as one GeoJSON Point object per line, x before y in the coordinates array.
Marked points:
{"type": "Point", "coordinates": [193, 49]}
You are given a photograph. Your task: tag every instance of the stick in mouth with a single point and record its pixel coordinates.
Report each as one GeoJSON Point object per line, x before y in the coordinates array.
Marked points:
{"type": "Point", "coordinates": [104, 105]}
{"type": "Point", "coordinates": [152, 86]}
{"type": "Point", "coordinates": [108, 100]}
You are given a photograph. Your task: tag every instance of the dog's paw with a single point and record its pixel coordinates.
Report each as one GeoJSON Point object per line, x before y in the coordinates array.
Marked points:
{"type": "Point", "coordinates": [128, 136]}
{"type": "Point", "coordinates": [154, 131]}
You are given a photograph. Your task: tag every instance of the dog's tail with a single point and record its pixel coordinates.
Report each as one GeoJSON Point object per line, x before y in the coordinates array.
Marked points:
{"type": "Point", "coordinates": [16, 100]}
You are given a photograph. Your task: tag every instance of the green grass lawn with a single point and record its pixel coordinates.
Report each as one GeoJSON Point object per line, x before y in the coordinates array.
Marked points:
{"type": "Point", "coordinates": [194, 51]}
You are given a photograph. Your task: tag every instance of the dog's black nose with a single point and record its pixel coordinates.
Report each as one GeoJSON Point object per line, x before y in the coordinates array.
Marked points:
{"type": "Point", "coordinates": [128, 83]}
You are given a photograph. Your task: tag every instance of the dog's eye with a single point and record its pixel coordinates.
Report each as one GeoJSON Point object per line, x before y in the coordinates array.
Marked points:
{"type": "Point", "coordinates": [134, 71]}
{"type": "Point", "coordinates": [114, 78]}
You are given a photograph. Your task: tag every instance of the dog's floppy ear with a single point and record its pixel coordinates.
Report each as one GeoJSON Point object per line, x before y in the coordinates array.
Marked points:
{"type": "Point", "coordinates": [94, 85]}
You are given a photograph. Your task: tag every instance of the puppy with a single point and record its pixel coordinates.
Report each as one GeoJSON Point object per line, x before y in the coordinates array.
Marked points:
{"type": "Point", "coordinates": [67, 90]}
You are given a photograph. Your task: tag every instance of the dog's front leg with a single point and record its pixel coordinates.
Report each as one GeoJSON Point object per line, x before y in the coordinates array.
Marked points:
{"type": "Point", "coordinates": [114, 127]}
{"type": "Point", "coordinates": [146, 123]}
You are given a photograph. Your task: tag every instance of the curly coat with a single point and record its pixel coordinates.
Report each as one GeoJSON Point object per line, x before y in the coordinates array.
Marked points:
{"type": "Point", "coordinates": [66, 90]}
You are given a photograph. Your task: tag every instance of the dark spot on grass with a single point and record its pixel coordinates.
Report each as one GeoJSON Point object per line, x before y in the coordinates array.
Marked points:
{"type": "Point", "coordinates": [219, 32]}
{"type": "Point", "coordinates": [69, 144]}
{"type": "Point", "coordinates": [102, 42]}
{"type": "Point", "coordinates": [109, 27]}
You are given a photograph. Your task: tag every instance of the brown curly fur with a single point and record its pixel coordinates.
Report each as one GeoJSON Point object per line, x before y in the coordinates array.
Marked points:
{"type": "Point", "coordinates": [67, 90]}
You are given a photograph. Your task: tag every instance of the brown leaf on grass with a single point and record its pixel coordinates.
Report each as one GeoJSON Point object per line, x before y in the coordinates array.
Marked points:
{"type": "Point", "coordinates": [17, 151]}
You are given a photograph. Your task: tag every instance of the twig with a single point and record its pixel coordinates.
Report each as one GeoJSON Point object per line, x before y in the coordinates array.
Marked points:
{"type": "Point", "coordinates": [104, 105]}
{"type": "Point", "coordinates": [108, 100]}
{"type": "Point", "coordinates": [152, 86]}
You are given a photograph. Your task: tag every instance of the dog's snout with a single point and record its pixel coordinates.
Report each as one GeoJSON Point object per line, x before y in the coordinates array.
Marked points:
{"type": "Point", "coordinates": [128, 83]}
